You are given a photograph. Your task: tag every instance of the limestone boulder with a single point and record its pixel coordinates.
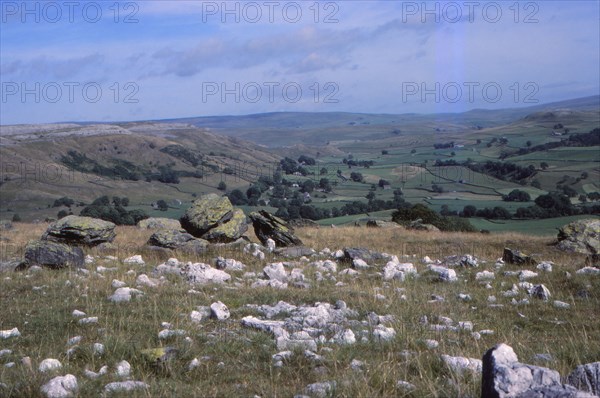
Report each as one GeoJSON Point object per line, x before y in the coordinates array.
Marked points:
{"type": "Point", "coordinates": [76, 230]}
{"type": "Point", "coordinates": [581, 236]}
{"type": "Point", "coordinates": [213, 218]}
{"type": "Point", "coordinates": [53, 254]}
{"type": "Point", "coordinates": [267, 226]}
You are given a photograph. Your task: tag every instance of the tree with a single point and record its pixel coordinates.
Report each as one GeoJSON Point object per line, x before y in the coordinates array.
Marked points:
{"type": "Point", "coordinates": [384, 152]}
{"type": "Point", "coordinates": [413, 151]}
{"type": "Point", "coordinates": [528, 143]}
{"type": "Point", "coordinates": [516, 195]}
{"type": "Point", "coordinates": [124, 201]}
{"type": "Point", "coordinates": [282, 213]}
{"type": "Point", "coordinates": [16, 217]}
{"type": "Point", "coordinates": [383, 182]}
{"type": "Point", "coordinates": [61, 214]}
{"type": "Point", "coordinates": [469, 211]}
{"type": "Point", "coordinates": [583, 198]}
{"type": "Point", "coordinates": [306, 160]}
{"type": "Point", "coordinates": [237, 198]}
{"type": "Point", "coordinates": [222, 186]}
{"type": "Point", "coordinates": [308, 186]}
{"type": "Point", "coordinates": [544, 165]}
{"type": "Point", "coordinates": [323, 171]}
{"type": "Point", "coordinates": [64, 201]}
{"type": "Point", "coordinates": [356, 177]}
{"type": "Point", "coordinates": [325, 185]}
{"type": "Point", "coordinates": [371, 195]}
{"type": "Point", "coordinates": [162, 205]}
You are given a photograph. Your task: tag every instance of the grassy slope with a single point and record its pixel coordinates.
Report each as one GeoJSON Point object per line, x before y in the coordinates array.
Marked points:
{"type": "Point", "coordinates": [42, 315]}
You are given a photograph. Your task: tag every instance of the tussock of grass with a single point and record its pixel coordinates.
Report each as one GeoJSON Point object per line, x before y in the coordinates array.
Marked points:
{"type": "Point", "coordinates": [237, 361]}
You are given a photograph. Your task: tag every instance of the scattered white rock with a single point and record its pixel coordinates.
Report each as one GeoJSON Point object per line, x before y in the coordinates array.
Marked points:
{"type": "Point", "coordinates": [561, 304]}
{"type": "Point", "coordinates": [7, 334]}
{"type": "Point", "coordinates": [145, 280]}
{"type": "Point", "coordinates": [588, 271]}
{"type": "Point", "coordinates": [276, 271]}
{"type": "Point", "coordinates": [357, 364]}
{"type": "Point", "coordinates": [445, 274]}
{"type": "Point", "coordinates": [462, 365]}
{"type": "Point", "coordinates": [526, 274]}
{"type": "Point", "coordinates": [88, 321]}
{"type": "Point", "coordinates": [49, 364]}
{"type": "Point", "coordinates": [78, 314]}
{"type": "Point", "coordinates": [89, 259]}
{"type": "Point", "coordinates": [60, 387]}
{"type": "Point", "coordinates": [98, 348]}
{"type": "Point", "coordinates": [484, 275]}
{"type": "Point", "coordinates": [203, 274]}
{"type": "Point", "coordinates": [93, 375]}
{"type": "Point", "coordinates": [194, 363]}
{"type": "Point", "coordinates": [219, 311]}
{"type": "Point", "coordinates": [426, 260]}
{"type": "Point", "coordinates": [405, 386]}
{"type": "Point", "coordinates": [320, 390]}
{"type": "Point", "coordinates": [359, 263]}
{"type": "Point", "coordinates": [168, 333]}
{"type": "Point", "coordinates": [464, 297]}
{"type": "Point", "coordinates": [431, 344]}
{"type": "Point", "coordinates": [345, 337]}
{"type": "Point", "coordinates": [350, 272]}
{"type": "Point", "coordinates": [229, 264]}
{"type": "Point", "coordinates": [382, 333]}
{"type": "Point", "coordinates": [74, 340]}
{"type": "Point", "coordinates": [202, 314]}
{"type": "Point", "coordinates": [275, 284]}
{"type": "Point", "coordinates": [541, 292]}
{"type": "Point", "coordinates": [545, 266]}
{"type": "Point", "coordinates": [123, 369]}
{"type": "Point", "coordinates": [124, 386]}
{"type": "Point", "coordinates": [6, 351]}
{"type": "Point", "coordinates": [124, 294]}
{"type": "Point", "coordinates": [271, 245]}
{"type": "Point", "coordinates": [117, 284]}
{"type": "Point", "coordinates": [135, 260]}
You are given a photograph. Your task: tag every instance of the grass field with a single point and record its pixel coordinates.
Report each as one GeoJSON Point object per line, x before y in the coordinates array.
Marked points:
{"type": "Point", "coordinates": [237, 361]}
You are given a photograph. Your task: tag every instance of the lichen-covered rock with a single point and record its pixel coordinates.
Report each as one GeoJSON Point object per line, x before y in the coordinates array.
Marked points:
{"type": "Point", "coordinates": [213, 218]}
{"type": "Point", "coordinates": [354, 253]}
{"type": "Point", "coordinates": [159, 223]}
{"type": "Point", "coordinates": [229, 231]}
{"type": "Point", "coordinates": [268, 226]}
{"type": "Point", "coordinates": [382, 224]}
{"type": "Point", "coordinates": [175, 239]}
{"type": "Point", "coordinates": [53, 254]}
{"type": "Point", "coordinates": [516, 257]}
{"type": "Point", "coordinates": [581, 236]}
{"type": "Point", "coordinates": [78, 230]}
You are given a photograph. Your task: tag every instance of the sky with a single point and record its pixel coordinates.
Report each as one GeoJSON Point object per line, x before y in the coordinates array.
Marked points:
{"type": "Point", "coordinates": [139, 60]}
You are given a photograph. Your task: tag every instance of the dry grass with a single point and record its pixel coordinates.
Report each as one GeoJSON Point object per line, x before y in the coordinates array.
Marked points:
{"type": "Point", "coordinates": [43, 315]}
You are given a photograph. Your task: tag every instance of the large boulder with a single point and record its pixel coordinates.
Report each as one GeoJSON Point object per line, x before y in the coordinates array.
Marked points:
{"type": "Point", "coordinates": [213, 218]}
{"type": "Point", "coordinates": [268, 226]}
{"type": "Point", "coordinates": [176, 240]}
{"type": "Point", "coordinates": [586, 378]}
{"type": "Point", "coordinates": [581, 236]}
{"type": "Point", "coordinates": [159, 223]}
{"type": "Point", "coordinates": [517, 257]}
{"type": "Point", "coordinates": [382, 224]}
{"type": "Point", "coordinates": [356, 253]}
{"type": "Point", "coordinates": [53, 254]}
{"type": "Point", "coordinates": [76, 230]}
{"type": "Point", "coordinates": [505, 377]}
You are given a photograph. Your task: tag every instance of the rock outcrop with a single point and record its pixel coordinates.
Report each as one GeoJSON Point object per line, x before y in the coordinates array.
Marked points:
{"type": "Point", "coordinates": [581, 236]}
{"type": "Point", "coordinates": [176, 240]}
{"type": "Point", "coordinates": [53, 254]}
{"type": "Point", "coordinates": [213, 218]}
{"type": "Point", "coordinates": [586, 378]}
{"type": "Point", "coordinates": [267, 226]}
{"type": "Point", "coordinates": [505, 377]}
{"type": "Point", "coordinates": [76, 230]}
{"type": "Point", "coordinates": [516, 257]}
{"type": "Point", "coordinates": [159, 223]}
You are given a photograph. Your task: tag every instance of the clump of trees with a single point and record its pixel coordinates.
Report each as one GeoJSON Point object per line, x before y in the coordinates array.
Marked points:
{"type": "Point", "coordinates": [113, 211]}
{"type": "Point", "coordinates": [409, 213]}
{"type": "Point", "coordinates": [517, 195]}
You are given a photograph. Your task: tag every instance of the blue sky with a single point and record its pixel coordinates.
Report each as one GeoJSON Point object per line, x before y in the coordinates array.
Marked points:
{"type": "Point", "coordinates": [108, 61]}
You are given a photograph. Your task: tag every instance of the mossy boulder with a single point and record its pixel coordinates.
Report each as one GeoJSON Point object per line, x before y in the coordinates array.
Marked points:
{"type": "Point", "coordinates": [213, 218]}
{"type": "Point", "coordinates": [176, 240]}
{"type": "Point", "coordinates": [53, 254]}
{"type": "Point", "coordinates": [76, 230]}
{"type": "Point", "coordinates": [581, 236]}
{"type": "Point", "coordinates": [268, 226]}
{"type": "Point", "coordinates": [229, 231]}
{"type": "Point", "coordinates": [159, 223]}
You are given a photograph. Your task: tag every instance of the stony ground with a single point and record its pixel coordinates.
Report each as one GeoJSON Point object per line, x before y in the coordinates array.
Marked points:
{"type": "Point", "coordinates": [271, 326]}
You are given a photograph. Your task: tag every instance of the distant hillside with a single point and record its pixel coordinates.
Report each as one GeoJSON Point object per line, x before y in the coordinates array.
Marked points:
{"type": "Point", "coordinates": [282, 129]}
{"type": "Point", "coordinates": [144, 161]}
